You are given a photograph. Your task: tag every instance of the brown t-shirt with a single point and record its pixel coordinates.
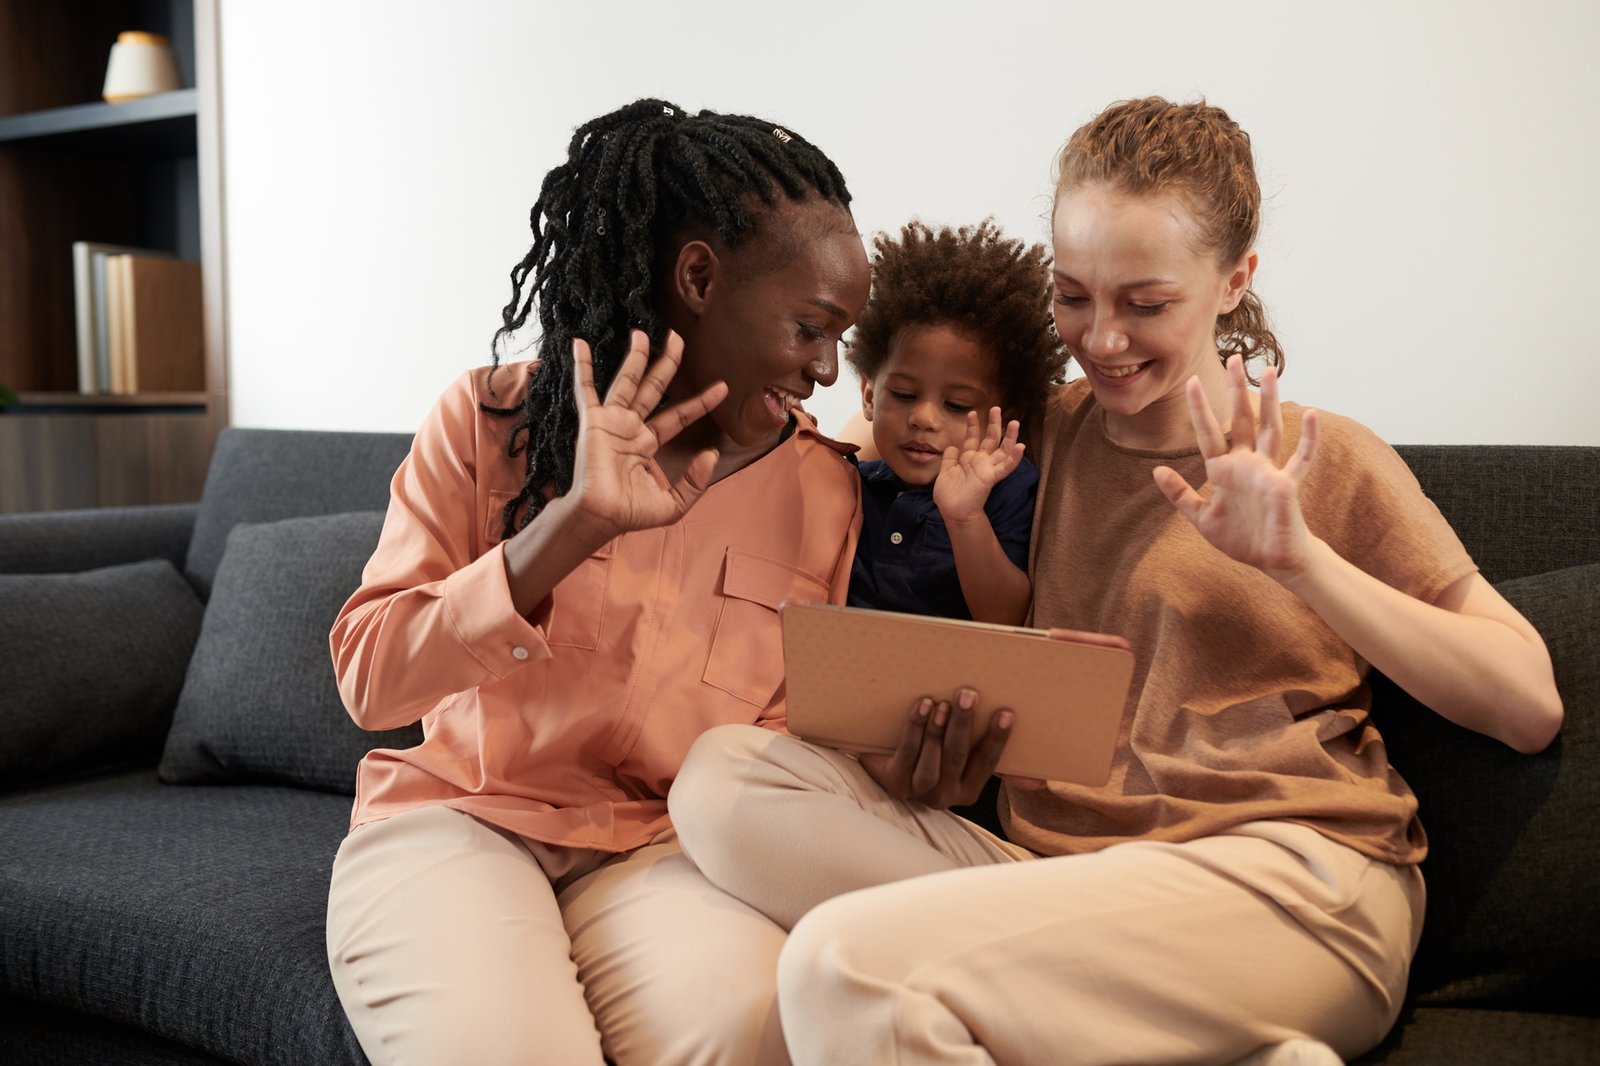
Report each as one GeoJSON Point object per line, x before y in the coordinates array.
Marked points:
{"type": "Point", "coordinates": [1244, 704]}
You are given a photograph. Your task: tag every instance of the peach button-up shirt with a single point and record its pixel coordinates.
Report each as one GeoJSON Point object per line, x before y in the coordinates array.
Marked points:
{"type": "Point", "coordinates": [568, 726]}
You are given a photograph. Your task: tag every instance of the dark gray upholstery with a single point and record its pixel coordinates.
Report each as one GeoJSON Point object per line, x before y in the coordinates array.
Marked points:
{"type": "Point", "coordinates": [260, 701]}
{"type": "Point", "coordinates": [58, 542]}
{"type": "Point", "coordinates": [129, 631]}
{"type": "Point", "coordinates": [41, 1035]}
{"type": "Point", "coordinates": [142, 922]}
{"type": "Point", "coordinates": [1520, 509]}
{"type": "Point", "coordinates": [1513, 911]}
{"type": "Point", "coordinates": [1454, 1037]}
{"type": "Point", "coordinates": [262, 475]}
{"type": "Point", "coordinates": [194, 914]}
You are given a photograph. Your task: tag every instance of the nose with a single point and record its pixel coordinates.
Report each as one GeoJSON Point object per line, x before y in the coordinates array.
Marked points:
{"type": "Point", "coordinates": [1103, 338]}
{"type": "Point", "coordinates": [924, 415]}
{"type": "Point", "coordinates": [825, 370]}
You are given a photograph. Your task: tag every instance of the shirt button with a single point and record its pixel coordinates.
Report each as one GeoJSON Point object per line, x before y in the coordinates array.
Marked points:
{"type": "Point", "coordinates": [895, 538]}
{"type": "Point", "coordinates": [519, 652]}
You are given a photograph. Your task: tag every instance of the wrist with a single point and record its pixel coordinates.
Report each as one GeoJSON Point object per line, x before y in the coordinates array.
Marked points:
{"type": "Point", "coordinates": [1302, 576]}
{"type": "Point", "coordinates": [961, 518]}
{"type": "Point", "coordinates": [570, 523]}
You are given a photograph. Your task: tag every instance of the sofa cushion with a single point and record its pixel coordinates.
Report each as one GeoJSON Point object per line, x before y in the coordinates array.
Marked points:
{"type": "Point", "coordinates": [1513, 914]}
{"type": "Point", "coordinates": [193, 914]}
{"type": "Point", "coordinates": [263, 475]}
{"type": "Point", "coordinates": [41, 1035]}
{"type": "Point", "coordinates": [94, 663]}
{"type": "Point", "coordinates": [1443, 1036]}
{"type": "Point", "coordinates": [260, 701]}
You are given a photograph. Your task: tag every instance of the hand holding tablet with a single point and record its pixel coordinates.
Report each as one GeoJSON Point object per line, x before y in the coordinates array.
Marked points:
{"type": "Point", "coordinates": [854, 674]}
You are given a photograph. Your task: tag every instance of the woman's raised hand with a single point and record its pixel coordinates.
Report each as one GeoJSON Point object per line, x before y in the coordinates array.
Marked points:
{"type": "Point", "coordinates": [966, 474]}
{"type": "Point", "coordinates": [1253, 511]}
{"type": "Point", "coordinates": [616, 481]}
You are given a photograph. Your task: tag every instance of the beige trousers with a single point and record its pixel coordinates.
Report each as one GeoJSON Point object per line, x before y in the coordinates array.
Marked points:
{"type": "Point", "coordinates": [918, 937]}
{"type": "Point", "coordinates": [453, 942]}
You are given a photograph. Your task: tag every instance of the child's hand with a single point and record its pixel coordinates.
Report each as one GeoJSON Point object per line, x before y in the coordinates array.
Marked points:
{"type": "Point", "coordinates": [968, 473]}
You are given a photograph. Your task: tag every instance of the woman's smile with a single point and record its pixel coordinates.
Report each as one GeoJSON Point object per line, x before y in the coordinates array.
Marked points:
{"type": "Point", "coordinates": [1117, 376]}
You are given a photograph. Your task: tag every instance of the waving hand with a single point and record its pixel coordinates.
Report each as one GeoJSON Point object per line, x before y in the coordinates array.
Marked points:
{"type": "Point", "coordinates": [616, 480]}
{"type": "Point", "coordinates": [966, 474]}
{"type": "Point", "coordinates": [1253, 512]}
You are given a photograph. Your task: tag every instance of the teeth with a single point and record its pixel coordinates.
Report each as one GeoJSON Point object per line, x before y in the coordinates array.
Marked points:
{"type": "Point", "coordinates": [786, 398]}
{"type": "Point", "coordinates": [1121, 371]}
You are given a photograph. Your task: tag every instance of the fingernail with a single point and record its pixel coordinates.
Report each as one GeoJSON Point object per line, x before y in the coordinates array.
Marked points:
{"type": "Point", "coordinates": [1004, 720]}
{"type": "Point", "coordinates": [966, 697]}
{"type": "Point", "coordinates": [924, 707]}
{"type": "Point", "coordinates": [942, 714]}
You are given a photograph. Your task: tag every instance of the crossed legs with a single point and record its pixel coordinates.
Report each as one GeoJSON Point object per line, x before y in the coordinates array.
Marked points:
{"type": "Point", "coordinates": [918, 938]}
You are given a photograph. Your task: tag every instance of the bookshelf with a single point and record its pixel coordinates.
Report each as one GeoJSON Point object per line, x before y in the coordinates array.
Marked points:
{"type": "Point", "coordinates": [144, 173]}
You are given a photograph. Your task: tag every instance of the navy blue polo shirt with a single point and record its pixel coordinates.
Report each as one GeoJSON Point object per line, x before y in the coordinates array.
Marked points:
{"type": "Point", "coordinates": [903, 560]}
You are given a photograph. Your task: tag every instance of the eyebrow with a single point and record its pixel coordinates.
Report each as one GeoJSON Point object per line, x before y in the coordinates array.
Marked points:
{"type": "Point", "coordinates": [957, 386]}
{"type": "Point", "coordinates": [832, 308]}
{"type": "Point", "coordinates": [1141, 283]}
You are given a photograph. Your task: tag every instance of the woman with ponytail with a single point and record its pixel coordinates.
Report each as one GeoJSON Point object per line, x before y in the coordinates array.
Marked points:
{"type": "Point", "coordinates": [1245, 886]}
{"type": "Point", "coordinates": [578, 574]}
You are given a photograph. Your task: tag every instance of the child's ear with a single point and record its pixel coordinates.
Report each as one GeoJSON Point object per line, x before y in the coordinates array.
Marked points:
{"type": "Point", "coordinates": [866, 399]}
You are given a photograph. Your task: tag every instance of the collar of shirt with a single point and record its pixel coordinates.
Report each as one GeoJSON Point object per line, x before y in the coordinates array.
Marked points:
{"type": "Point", "coordinates": [877, 472]}
{"type": "Point", "coordinates": [806, 425]}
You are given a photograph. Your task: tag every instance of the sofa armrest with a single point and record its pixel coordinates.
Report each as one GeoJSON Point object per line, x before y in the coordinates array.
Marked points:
{"type": "Point", "coordinates": [49, 542]}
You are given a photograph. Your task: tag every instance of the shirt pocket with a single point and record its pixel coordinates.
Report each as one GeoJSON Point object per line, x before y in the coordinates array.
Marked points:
{"type": "Point", "coordinates": [577, 606]}
{"type": "Point", "coordinates": [494, 522]}
{"type": "Point", "coordinates": [746, 659]}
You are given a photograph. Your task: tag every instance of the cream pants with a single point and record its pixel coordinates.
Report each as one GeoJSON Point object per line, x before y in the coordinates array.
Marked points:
{"type": "Point", "coordinates": [918, 937]}
{"type": "Point", "coordinates": [452, 942]}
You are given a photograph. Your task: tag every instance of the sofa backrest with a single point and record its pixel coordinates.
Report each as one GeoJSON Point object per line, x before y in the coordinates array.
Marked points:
{"type": "Point", "coordinates": [1519, 509]}
{"type": "Point", "coordinates": [262, 475]}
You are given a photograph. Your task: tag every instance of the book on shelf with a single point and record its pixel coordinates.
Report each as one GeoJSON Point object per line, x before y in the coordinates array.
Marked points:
{"type": "Point", "coordinates": [152, 318]}
{"type": "Point", "coordinates": [89, 291]}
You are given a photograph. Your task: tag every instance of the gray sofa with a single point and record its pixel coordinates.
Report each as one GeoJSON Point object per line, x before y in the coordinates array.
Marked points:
{"type": "Point", "coordinates": [175, 769]}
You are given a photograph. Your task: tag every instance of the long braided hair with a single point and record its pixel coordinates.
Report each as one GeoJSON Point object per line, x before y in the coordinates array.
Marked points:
{"type": "Point", "coordinates": [634, 180]}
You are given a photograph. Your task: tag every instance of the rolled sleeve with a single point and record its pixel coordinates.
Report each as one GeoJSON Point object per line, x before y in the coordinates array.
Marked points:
{"type": "Point", "coordinates": [477, 601]}
{"type": "Point", "coordinates": [434, 614]}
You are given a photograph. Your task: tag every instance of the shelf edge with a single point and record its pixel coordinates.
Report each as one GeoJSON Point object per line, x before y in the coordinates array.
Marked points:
{"type": "Point", "coordinates": [78, 118]}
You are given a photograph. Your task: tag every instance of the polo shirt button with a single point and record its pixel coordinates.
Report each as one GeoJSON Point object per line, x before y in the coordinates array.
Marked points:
{"type": "Point", "coordinates": [895, 538]}
{"type": "Point", "coordinates": [519, 652]}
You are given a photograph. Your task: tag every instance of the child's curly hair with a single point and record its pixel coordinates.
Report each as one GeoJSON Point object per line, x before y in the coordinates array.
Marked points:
{"type": "Point", "coordinates": [975, 280]}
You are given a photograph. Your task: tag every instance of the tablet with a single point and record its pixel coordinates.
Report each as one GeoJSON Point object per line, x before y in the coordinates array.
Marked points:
{"type": "Point", "coordinates": [853, 675]}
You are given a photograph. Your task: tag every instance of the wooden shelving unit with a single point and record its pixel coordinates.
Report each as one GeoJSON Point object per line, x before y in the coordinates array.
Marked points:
{"type": "Point", "coordinates": [145, 173]}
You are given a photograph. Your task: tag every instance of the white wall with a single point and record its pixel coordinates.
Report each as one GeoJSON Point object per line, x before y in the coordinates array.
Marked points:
{"type": "Point", "coordinates": [1430, 168]}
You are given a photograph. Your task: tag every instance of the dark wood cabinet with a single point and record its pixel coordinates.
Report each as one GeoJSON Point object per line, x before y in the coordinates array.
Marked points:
{"type": "Point", "coordinates": [144, 173]}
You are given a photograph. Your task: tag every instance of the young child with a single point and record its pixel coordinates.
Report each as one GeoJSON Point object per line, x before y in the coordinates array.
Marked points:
{"type": "Point", "coordinates": [956, 338]}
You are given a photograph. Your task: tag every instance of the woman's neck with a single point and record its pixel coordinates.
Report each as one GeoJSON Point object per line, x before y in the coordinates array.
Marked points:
{"type": "Point", "coordinates": [676, 455]}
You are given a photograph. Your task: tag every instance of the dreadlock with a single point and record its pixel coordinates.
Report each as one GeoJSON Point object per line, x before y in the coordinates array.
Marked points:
{"type": "Point", "coordinates": [634, 180]}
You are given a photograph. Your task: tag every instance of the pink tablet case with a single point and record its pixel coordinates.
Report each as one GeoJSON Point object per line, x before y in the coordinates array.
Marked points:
{"type": "Point", "coordinates": [853, 675]}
